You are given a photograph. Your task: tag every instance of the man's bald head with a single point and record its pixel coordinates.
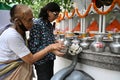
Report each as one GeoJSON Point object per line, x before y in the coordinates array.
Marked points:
{"type": "Point", "coordinates": [19, 12]}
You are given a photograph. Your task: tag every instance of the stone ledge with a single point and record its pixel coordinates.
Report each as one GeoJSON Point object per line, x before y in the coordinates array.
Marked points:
{"type": "Point", "coordinates": [104, 60]}
{"type": "Point", "coordinates": [104, 57]}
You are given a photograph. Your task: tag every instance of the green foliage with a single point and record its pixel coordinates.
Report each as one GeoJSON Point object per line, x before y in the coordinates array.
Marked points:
{"type": "Point", "coordinates": [36, 5]}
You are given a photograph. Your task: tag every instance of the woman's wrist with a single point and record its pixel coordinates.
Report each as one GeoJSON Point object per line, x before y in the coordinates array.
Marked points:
{"type": "Point", "coordinates": [50, 48]}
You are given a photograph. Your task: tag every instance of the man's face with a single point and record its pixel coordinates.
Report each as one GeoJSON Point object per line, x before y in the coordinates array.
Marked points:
{"type": "Point", "coordinates": [27, 20]}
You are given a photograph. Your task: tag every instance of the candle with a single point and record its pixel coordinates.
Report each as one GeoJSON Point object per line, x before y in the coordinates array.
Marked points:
{"type": "Point", "coordinates": [63, 25]}
{"type": "Point", "coordinates": [81, 22]}
{"type": "Point", "coordinates": [103, 29]}
{"type": "Point", "coordinates": [83, 25]}
{"type": "Point", "coordinates": [100, 22]}
{"type": "Point", "coordinates": [70, 24]}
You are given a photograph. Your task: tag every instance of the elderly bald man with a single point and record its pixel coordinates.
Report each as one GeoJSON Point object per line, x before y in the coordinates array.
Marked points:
{"type": "Point", "coordinates": [15, 57]}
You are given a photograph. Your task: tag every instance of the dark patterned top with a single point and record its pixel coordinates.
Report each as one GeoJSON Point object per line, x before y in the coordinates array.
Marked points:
{"type": "Point", "coordinates": [41, 35]}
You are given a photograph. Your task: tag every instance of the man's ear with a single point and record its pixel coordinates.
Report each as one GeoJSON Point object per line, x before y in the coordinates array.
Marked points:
{"type": "Point", "coordinates": [17, 21]}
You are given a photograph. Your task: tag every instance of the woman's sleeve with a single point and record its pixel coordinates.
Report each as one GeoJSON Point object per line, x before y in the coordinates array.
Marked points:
{"type": "Point", "coordinates": [34, 40]}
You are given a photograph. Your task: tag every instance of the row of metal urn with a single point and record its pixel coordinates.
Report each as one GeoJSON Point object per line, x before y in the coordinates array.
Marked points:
{"type": "Point", "coordinates": [97, 45]}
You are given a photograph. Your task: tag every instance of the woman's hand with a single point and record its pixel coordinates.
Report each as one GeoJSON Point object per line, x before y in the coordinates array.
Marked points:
{"type": "Point", "coordinates": [58, 53]}
{"type": "Point", "coordinates": [58, 41]}
{"type": "Point", "coordinates": [57, 46]}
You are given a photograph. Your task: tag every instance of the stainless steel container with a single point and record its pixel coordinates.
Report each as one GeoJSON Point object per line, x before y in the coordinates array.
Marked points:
{"type": "Point", "coordinates": [66, 41]}
{"type": "Point", "coordinates": [75, 40]}
{"type": "Point", "coordinates": [61, 37]}
{"type": "Point", "coordinates": [75, 46]}
{"type": "Point", "coordinates": [84, 44]}
{"type": "Point", "coordinates": [115, 45]}
{"type": "Point", "coordinates": [97, 45]}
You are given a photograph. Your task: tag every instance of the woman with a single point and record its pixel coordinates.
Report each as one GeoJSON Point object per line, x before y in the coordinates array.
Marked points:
{"type": "Point", "coordinates": [15, 57]}
{"type": "Point", "coordinates": [41, 35]}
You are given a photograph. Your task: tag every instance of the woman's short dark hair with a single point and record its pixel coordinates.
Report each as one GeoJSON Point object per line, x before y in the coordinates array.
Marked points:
{"type": "Point", "coordinates": [52, 6]}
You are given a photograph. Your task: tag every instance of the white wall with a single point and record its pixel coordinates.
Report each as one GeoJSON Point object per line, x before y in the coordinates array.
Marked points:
{"type": "Point", "coordinates": [4, 19]}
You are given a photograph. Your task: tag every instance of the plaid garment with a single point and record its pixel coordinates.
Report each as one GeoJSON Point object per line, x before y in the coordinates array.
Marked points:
{"type": "Point", "coordinates": [41, 35]}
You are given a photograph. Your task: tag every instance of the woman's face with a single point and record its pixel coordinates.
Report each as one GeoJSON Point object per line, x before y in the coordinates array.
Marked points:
{"type": "Point", "coordinates": [52, 15]}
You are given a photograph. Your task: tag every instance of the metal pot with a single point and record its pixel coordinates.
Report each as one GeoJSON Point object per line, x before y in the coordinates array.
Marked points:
{"type": "Point", "coordinates": [75, 40]}
{"type": "Point", "coordinates": [84, 44]}
{"type": "Point", "coordinates": [61, 37]}
{"type": "Point", "coordinates": [67, 43]}
{"type": "Point", "coordinates": [98, 45]}
{"type": "Point", "coordinates": [75, 46]}
{"type": "Point", "coordinates": [115, 45]}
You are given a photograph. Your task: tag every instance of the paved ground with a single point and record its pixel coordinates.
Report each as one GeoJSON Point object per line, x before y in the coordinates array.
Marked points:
{"type": "Point", "coordinates": [59, 64]}
{"type": "Point", "coordinates": [35, 78]}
